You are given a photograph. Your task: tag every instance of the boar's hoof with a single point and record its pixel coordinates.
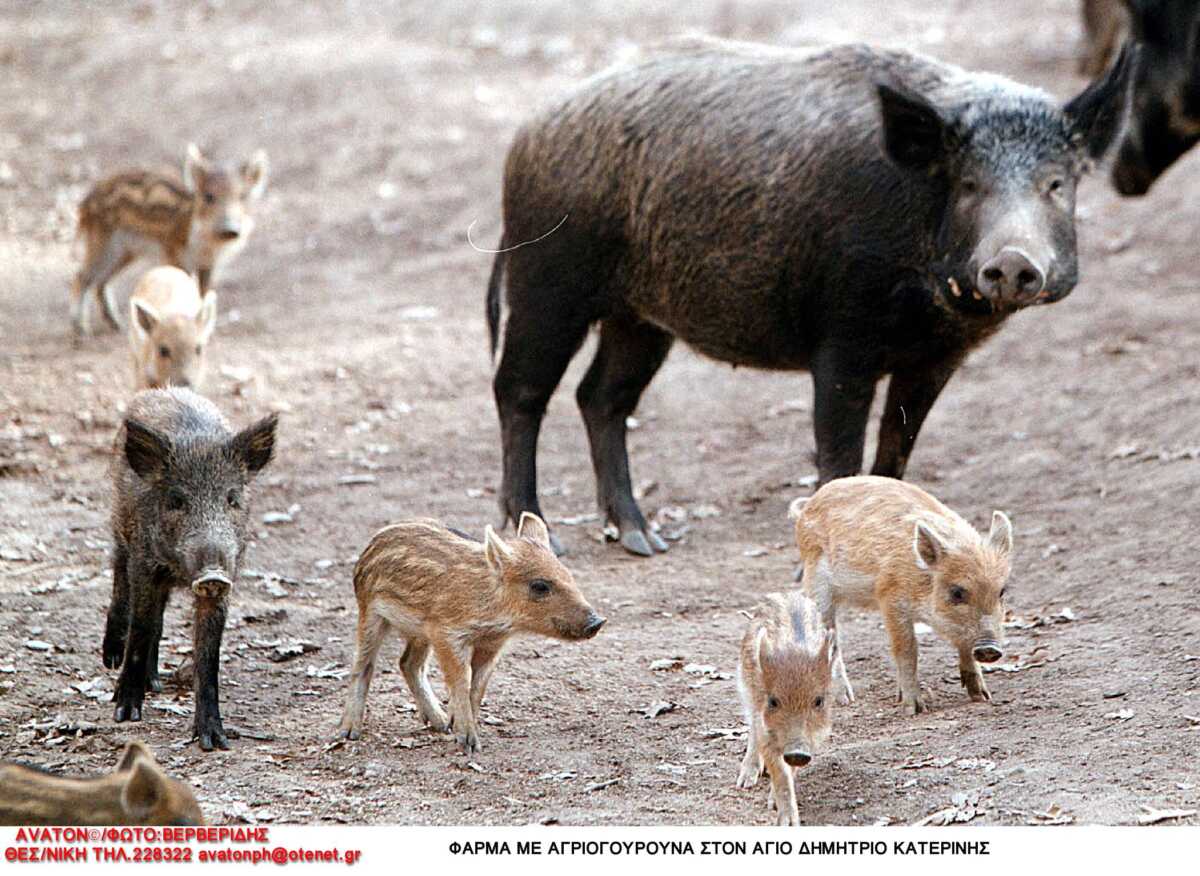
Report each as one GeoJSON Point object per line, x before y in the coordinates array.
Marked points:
{"type": "Point", "coordinates": [469, 742]}
{"type": "Point", "coordinates": [351, 733]}
{"type": "Point", "coordinates": [643, 544]}
{"type": "Point", "coordinates": [213, 739]}
{"type": "Point", "coordinates": [748, 777]}
{"type": "Point", "coordinates": [114, 650]}
{"type": "Point", "coordinates": [127, 711]}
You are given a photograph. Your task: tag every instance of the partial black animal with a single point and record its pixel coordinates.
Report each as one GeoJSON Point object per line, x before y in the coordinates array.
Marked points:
{"type": "Point", "coordinates": [1165, 116]}
{"type": "Point", "coordinates": [180, 512]}
{"type": "Point", "coordinates": [852, 211]}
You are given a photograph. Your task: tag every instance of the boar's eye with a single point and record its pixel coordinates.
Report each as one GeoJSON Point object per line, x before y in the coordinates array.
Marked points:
{"type": "Point", "coordinates": [539, 588]}
{"type": "Point", "coordinates": [772, 703]}
{"type": "Point", "coordinates": [210, 198]}
{"type": "Point", "coordinates": [968, 186]}
{"type": "Point", "coordinates": [818, 702]}
{"type": "Point", "coordinates": [958, 594]}
{"type": "Point", "coordinates": [165, 352]}
{"type": "Point", "coordinates": [1056, 186]}
{"type": "Point", "coordinates": [234, 498]}
{"type": "Point", "coordinates": [176, 500]}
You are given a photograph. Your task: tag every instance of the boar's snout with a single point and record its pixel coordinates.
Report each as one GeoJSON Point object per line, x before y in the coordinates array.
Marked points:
{"type": "Point", "coordinates": [211, 583]}
{"type": "Point", "coordinates": [987, 652]}
{"type": "Point", "coordinates": [593, 625]}
{"type": "Point", "coordinates": [1131, 178]}
{"type": "Point", "coordinates": [797, 758]}
{"type": "Point", "coordinates": [1011, 276]}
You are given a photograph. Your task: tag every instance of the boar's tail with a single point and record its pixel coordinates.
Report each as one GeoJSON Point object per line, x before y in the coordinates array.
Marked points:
{"type": "Point", "coordinates": [493, 300]}
{"type": "Point", "coordinates": [796, 508]}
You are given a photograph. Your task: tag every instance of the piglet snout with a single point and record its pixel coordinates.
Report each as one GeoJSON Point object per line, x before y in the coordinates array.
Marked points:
{"type": "Point", "coordinates": [797, 758]}
{"type": "Point", "coordinates": [987, 652]}
{"type": "Point", "coordinates": [595, 622]}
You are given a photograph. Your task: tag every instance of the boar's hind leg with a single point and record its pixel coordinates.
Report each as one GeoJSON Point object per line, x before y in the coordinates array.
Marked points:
{"type": "Point", "coordinates": [371, 631]}
{"type": "Point", "coordinates": [629, 355]}
{"type": "Point", "coordinates": [843, 395]}
{"type": "Point", "coordinates": [209, 626]}
{"type": "Point", "coordinates": [110, 259]}
{"type": "Point", "coordinates": [412, 664]}
{"type": "Point", "coordinates": [910, 396]}
{"type": "Point", "coordinates": [116, 627]}
{"type": "Point", "coordinates": [538, 346]}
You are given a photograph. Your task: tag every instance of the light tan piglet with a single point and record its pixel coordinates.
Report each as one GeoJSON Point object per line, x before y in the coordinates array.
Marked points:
{"type": "Point", "coordinates": [170, 326]}
{"type": "Point", "coordinates": [442, 591]}
{"type": "Point", "coordinates": [885, 545]}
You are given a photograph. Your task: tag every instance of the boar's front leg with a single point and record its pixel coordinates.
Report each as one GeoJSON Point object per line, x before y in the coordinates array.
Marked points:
{"type": "Point", "coordinates": [843, 391]}
{"type": "Point", "coordinates": [783, 791]}
{"type": "Point", "coordinates": [456, 669]}
{"type": "Point", "coordinates": [904, 651]}
{"type": "Point", "coordinates": [143, 585]}
{"type": "Point", "coordinates": [972, 677]}
{"type": "Point", "coordinates": [483, 664]}
{"type": "Point", "coordinates": [910, 397]}
{"type": "Point", "coordinates": [752, 763]}
{"type": "Point", "coordinates": [629, 355]}
{"type": "Point", "coordinates": [116, 627]}
{"type": "Point", "coordinates": [209, 626]}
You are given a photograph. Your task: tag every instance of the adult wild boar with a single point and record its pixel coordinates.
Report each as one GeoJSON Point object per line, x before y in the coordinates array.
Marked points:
{"type": "Point", "coordinates": [1165, 114]}
{"type": "Point", "coordinates": [851, 211]}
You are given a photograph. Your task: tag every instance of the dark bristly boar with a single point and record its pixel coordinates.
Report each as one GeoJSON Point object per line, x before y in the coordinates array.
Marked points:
{"type": "Point", "coordinates": [784, 678]}
{"type": "Point", "coordinates": [1165, 116]}
{"type": "Point", "coordinates": [137, 792]}
{"type": "Point", "coordinates": [442, 591]}
{"type": "Point", "coordinates": [854, 212]}
{"type": "Point", "coordinates": [180, 513]}
{"type": "Point", "coordinates": [883, 545]}
{"type": "Point", "coordinates": [197, 224]}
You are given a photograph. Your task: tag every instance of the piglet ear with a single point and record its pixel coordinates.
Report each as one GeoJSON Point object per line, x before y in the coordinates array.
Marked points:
{"type": "Point", "coordinates": [143, 318]}
{"type": "Point", "coordinates": [915, 135]}
{"type": "Point", "coordinates": [495, 550]}
{"type": "Point", "coordinates": [927, 546]}
{"type": "Point", "coordinates": [255, 173]}
{"type": "Point", "coordinates": [144, 791]}
{"type": "Point", "coordinates": [206, 319]}
{"type": "Point", "coordinates": [195, 167]}
{"type": "Point", "coordinates": [134, 751]}
{"type": "Point", "coordinates": [762, 650]}
{"type": "Point", "coordinates": [533, 528]}
{"type": "Point", "coordinates": [256, 444]}
{"type": "Point", "coordinates": [1097, 114]}
{"type": "Point", "coordinates": [1001, 535]}
{"type": "Point", "coordinates": [146, 450]}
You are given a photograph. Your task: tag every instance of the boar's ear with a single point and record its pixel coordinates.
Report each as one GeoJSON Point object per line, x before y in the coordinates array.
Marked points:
{"type": "Point", "coordinates": [495, 550]}
{"type": "Point", "coordinates": [206, 319]}
{"type": "Point", "coordinates": [146, 450]}
{"type": "Point", "coordinates": [255, 444]}
{"type": "Point", "coordinates": [143, 792]}
{"type": "Point", "coordinates": [927, 546]}
{"type": "Point", "coordinates": [195, 168]}
{"type": "Point", "coordinates": [534, 528]}
{"type": "Point", "coordinates": [1001, 535]}
{"type": "Point", "coordinates": [134, 751]}
{"type": "Point", "coordinates": [143, 318]}
{"type": "Point", "coordinates": [254, 172]}
{"type": "Point", "coordinates": [1097, 114]}
{"type": "Point", "coordinates": [914, 133]}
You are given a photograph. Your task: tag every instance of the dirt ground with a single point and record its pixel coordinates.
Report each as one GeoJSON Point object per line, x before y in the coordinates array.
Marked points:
{"type": "Point", "coordinates": [357, 311]}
